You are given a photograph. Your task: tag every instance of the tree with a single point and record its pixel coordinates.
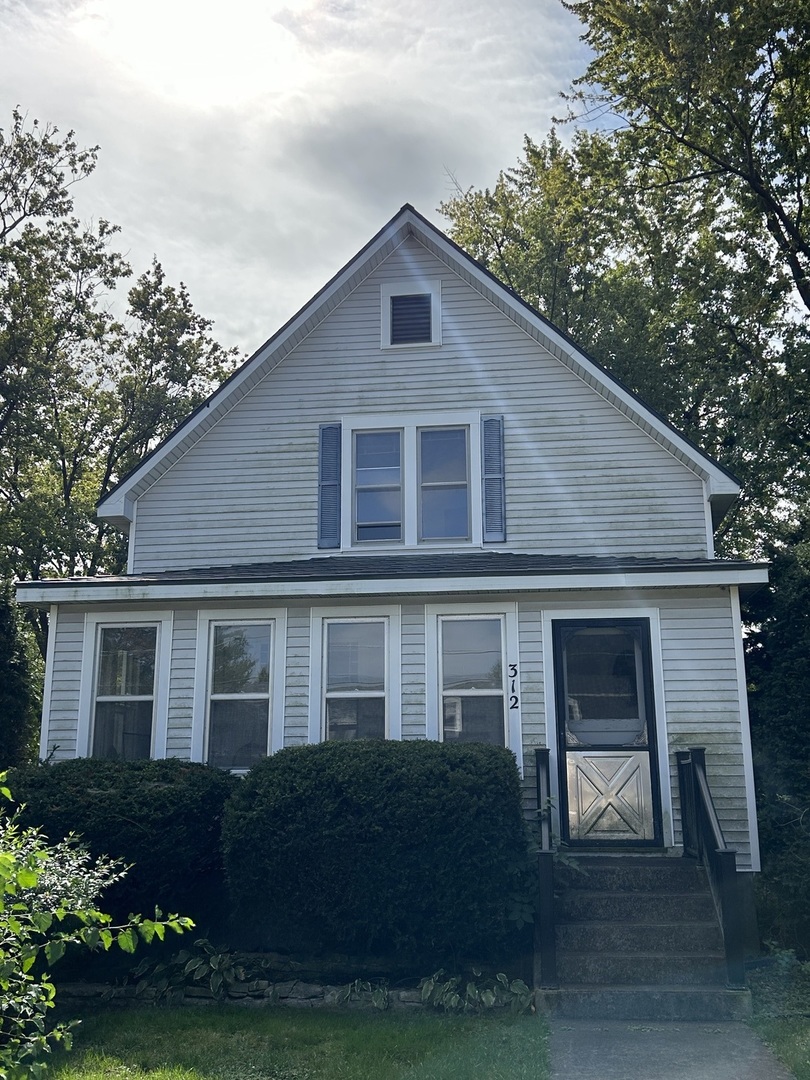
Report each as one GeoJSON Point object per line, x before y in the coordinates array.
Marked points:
{"type": "Point", "coordinates": [713, 89]}
{"type": "Point", "coordinates": [18, 721]}
{"type": "Point", "coordinates": [48, 900]}
{"type": "Point", "coordinates": [83, 395]}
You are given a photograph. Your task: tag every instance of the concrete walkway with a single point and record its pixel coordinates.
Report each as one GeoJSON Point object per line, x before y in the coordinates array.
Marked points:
{"type": "Point", "coordinates": [645, 1050]}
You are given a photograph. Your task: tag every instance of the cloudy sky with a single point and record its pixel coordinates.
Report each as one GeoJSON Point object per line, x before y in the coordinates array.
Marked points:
{"type": "Point", "coordinates": [255, 145]}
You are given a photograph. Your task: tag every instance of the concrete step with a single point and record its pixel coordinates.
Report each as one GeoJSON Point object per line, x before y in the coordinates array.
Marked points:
{"type": "Point", "coordinates": [636, 937]}
{"type": "Point", "coordinates": [621, 969]}
{"type": "Point", "coordinates": [645, 1003]}
{"type": "Point", "coordinates": [595, 873]}
{"type": "Point", "coordinates": [581, 905]}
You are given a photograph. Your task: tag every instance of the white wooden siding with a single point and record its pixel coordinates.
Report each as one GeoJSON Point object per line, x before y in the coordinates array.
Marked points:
{"type": "Point", "coordinates": [581, 477]}
{"type": "Point", "coordinates": [700, 703]}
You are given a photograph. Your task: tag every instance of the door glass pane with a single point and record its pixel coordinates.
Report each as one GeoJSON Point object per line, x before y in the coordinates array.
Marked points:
{"type": "Point", "coordinates": [237, 735]}
{"type": "Point", "coordinates": [355, 718]}
{"type": "Point", "coordinates": [122, 730]}
{"type": "Point", "coordinates": [471, 654]}
{"type": "Point", "coordinates": [127, 661]}
{"type": "Point", "coordinates": [603, 687]}
{"type": "Point", "coordinates": [355, 656]}
{"type": "Point", "coordinates": [241, 660]}
{"type": "Point", "coordinates": [474, 719]}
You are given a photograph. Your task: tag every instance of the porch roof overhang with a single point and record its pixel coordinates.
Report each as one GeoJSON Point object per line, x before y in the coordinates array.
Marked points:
{"type": "Point", "coordinates": [353, 575]}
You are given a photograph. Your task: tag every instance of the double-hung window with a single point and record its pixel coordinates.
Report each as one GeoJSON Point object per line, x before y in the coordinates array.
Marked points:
{"type": "Point", "coordinates": [239, 687]}
{"type": "Point", "coordinates": [355, 674]}
{"type": "Point", "coordinates": [411, 481]}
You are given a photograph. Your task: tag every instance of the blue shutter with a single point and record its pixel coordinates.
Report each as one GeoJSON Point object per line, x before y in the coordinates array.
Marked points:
{"type": "Point", "coordinates": [493, 479]}
{"type": "Point", "coordinates": [329, 486]}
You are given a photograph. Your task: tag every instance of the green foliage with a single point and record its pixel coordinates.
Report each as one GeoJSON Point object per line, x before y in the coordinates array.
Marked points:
{"type": "Point", "coordinates": [48, 900]}
{"type": "Point", "coordinates": [377, 993]}
{"type": "Point", "coordinates": [18, 714]}
{"type": "Point", "coordinates": [161, 817]}
{"type": "Point", "coordinates": [456, 994]}
{"type": "Point", "coordinates": [417, 847]}
{"type": "Point", "coordinates": [203, 965]}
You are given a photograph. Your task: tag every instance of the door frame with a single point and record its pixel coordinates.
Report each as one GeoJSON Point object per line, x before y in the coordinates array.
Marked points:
{"type": "Point", "coordinates": [648, 617]}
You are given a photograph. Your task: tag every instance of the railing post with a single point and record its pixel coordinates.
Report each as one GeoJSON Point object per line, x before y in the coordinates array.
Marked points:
{"type": "Point", "coordinates": [686, 789]}
{"type": "Point", "coordinates": [545, 944]}
{"type": "Point", "coordinates": [731, 909]}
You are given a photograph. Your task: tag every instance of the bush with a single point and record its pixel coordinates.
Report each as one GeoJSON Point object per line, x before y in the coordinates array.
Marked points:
{"type": "Point", "coordinates": [163, 817]}
{"type": "Point", "coordinates": [373, 846]}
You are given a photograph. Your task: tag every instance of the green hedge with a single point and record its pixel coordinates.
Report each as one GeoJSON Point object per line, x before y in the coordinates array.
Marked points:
{"type": "Point", "coordinates": [163, 817]}
{"type": "Point", "coordinates": [417, 848]}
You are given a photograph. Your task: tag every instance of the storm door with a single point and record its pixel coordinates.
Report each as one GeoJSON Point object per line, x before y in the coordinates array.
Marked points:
{"type": "Point", "coordinates": [609, 789]}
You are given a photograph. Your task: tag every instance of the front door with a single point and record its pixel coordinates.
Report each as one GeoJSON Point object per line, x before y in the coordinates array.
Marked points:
{"type": "Point", "coordinates": [606, 724]}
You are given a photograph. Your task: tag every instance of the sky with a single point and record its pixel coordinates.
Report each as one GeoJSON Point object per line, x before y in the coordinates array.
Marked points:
{"type": "Point", "coordinates": [254, 146]}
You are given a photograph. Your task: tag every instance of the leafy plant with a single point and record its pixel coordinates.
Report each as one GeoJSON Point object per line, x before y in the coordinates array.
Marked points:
{"type": "Point", "coordinates": [205, 965]}
{"type": "Point", "coordinates": [378, 991]}
{"type": "Point", "coordinates": [48, 900]}
{"type": "Point", "coordinates": [455, 994]}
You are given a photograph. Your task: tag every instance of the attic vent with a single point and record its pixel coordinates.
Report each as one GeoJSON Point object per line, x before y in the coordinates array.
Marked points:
{"type": "Point", "coordinates": [410, 319]}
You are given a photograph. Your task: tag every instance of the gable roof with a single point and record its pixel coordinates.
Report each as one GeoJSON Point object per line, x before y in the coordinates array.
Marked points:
{"type": "Point", "coordinates": [118, 505]}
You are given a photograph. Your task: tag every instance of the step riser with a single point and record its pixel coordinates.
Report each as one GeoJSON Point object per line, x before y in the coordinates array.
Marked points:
{"type": "Point", "coordinates": [577, 906]}
{"type": "Point", "coordinates": [648, 1004]}
{"type": "Point", "coordinates": [588, 970]}
{"type": "Point", "coordinates": [621, 877]}
{"type": "Point", "coordinates": [640, 938]}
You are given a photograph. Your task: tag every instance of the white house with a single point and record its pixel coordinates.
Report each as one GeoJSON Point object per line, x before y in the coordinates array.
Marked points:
{"type": "Point", "coordinates": [419, 511]}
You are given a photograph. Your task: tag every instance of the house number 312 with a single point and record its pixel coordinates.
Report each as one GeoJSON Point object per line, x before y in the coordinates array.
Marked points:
{"type": "Point", "coordinates": [514, 701]}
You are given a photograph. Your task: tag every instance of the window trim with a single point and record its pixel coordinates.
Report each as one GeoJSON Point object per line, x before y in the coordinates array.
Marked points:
{"type": "Point", "coordinates": [414, 287]}
{"type": "Point", "coordinates": [319, 618]}
{"type": "Point", "coordinates": [94, 623]}
{"type": "Point", "coordinates": [410, 425]}
{"type": "Point", "coordinates": [508, 613]}
{"type": "Point", "coordinates": [208, 618]}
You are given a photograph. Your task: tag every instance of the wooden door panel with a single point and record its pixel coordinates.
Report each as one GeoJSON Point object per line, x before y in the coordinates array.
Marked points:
{"type": "Point", "coordinates": [610, 796]}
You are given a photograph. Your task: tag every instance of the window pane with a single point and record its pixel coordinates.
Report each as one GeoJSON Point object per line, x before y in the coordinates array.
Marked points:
{"type": "Point", "coordinates": [237, 735]}
{"type": "Point", "coordinates": [355, 718]}
{"type": "Point", "coordinates": [474, 719]}
{"type": "Point", "coordinates": [123, 730]}
{"type": "Point", "coordinates": [471, 654]}
{"type": "Point", "coordinates": [444, 513]}
{"type": "Point", "coordinates": [241, 662]}
{"type": "Point", "coordinates": [410, 319]}
{"type": "Point", "coordinates": [379, 505]}
{"type": "Point", "coordinates": [127, 661]}
{"type": "Point", "coordinates": [377, 457]}
{"type": "Point", "coordinates": [443, 456]}
{"type": "Point", "coordinates": [602, 683]}
{"type": "Point", "coordinates": [355, 656]}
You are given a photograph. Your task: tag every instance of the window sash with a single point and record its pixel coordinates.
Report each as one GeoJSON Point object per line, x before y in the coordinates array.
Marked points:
{"type": "Point", "coordinates": [124, 691]}
{"type": "Point", "coordinates": [444, 502]}
{"type": "Point", "coordinates": [472, 689]}
{"type": "Point", "coordinates": [337, 701]}
{"type": "Point", "coordinates": [237, 729]}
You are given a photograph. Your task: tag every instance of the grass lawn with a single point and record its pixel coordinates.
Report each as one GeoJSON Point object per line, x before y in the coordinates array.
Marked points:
{"type": "Point", "coordinates": [235, 1043]}
{"type": "Point", "coordinates": [782, 1012]}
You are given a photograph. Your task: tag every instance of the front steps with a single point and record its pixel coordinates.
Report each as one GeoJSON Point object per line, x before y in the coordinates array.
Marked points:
{"type": "Point", "coordinates": [638, 939]}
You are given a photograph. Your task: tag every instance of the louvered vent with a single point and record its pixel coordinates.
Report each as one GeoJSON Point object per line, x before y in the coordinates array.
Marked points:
{"type": "Point", "coordinates": [410, 319]}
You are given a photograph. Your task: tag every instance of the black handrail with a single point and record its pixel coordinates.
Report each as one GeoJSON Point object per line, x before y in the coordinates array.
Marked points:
{"type": "Point", "coordinates": [703, 839]}
{"type": "Point", "coordinates": [545, 946]}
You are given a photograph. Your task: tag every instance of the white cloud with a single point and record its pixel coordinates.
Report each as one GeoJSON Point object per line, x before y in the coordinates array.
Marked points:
{"type": "Point", "coordinates": [255, 145]}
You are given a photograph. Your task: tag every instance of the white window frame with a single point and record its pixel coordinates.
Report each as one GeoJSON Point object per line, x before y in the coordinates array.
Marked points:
{"type": "Point", "coordinates": [508, 614]}
{"type": "Point", "coordinates": [410, 425]}
{"type": "Point", "coordinates": [390, 615]}
{"type": "Point", "coordinates": [206, 620]}
{"type": "Point", "coordinates": [94, 623]}
{"type": "Point", "coordinates": [414, 287]}
{"type": "Point", "coordinates": [611, 611]}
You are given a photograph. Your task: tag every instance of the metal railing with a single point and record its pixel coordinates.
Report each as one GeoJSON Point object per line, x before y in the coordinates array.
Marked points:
{"type": "Point", "coordinates": [703, 839]}
{"type": "Point", "coordinates": [545, 947]}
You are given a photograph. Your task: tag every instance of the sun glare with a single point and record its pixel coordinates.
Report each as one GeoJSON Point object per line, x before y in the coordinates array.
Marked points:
{"type": "Point", "coordinates": [202, 54]}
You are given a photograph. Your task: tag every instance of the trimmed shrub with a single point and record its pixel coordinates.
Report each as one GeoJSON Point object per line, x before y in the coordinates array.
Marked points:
{"type": "Point", "coordinates": [417, 848]}
{"type": "Point", "coordinates": [163, 817]}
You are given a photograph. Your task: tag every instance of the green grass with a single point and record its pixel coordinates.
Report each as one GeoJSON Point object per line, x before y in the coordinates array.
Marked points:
{"type": "Point", "coordinates": [781, 995]}
{"type": "Point", "coordinates": [233, 1043]}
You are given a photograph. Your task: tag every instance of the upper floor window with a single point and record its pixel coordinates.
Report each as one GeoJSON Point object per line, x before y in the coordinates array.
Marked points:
{"type": "Point", "coordinates": [411, 314]}
{"type": "Point", "coordinates": [411, 481]}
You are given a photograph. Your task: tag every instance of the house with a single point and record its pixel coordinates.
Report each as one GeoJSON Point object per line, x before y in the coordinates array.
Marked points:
{"type": "Point", "coordinates": [419, 511]}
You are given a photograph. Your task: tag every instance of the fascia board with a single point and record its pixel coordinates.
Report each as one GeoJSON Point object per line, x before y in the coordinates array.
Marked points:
{"type": "Point", "coordinates": [32, 594]}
